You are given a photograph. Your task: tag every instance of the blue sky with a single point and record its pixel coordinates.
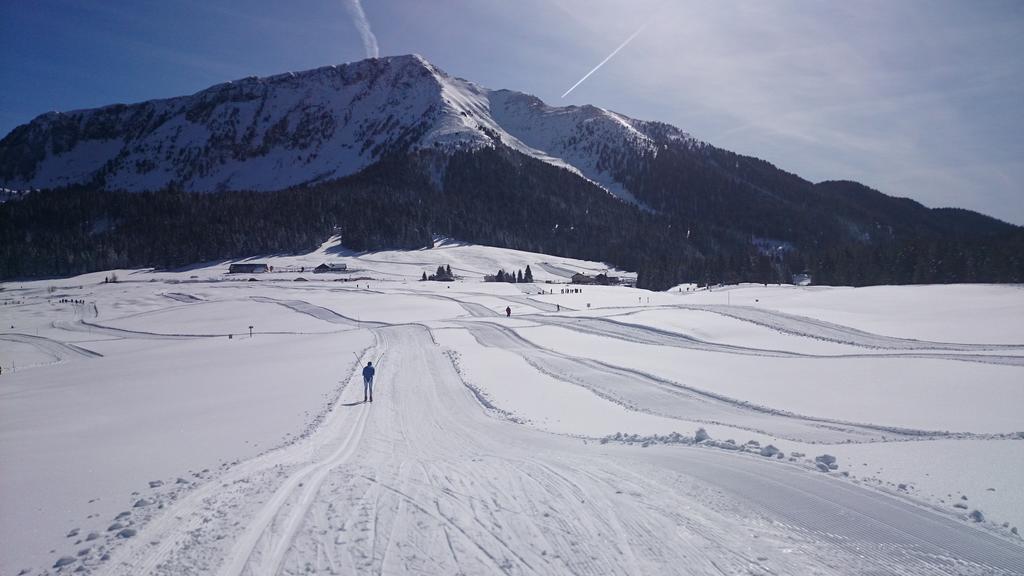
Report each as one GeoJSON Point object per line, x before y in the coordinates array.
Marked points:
{"type": "Point", "coordinates": [918, 98]}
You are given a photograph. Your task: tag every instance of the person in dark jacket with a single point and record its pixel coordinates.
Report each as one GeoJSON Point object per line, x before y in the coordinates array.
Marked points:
{"type": "Point", "coordinates": [368, 373]}
{"type": "Point", "coordinates": [508, 311]}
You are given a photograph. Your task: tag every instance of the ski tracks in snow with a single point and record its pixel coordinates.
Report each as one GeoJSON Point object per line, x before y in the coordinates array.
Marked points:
{"type": "Point", "coordinates": [645, 392]}
{"type": "Point", "coordinates": [424, 482]}
{"type": "Point", "coordinates": [438, 487]}
{"type": "Point", "coordinates": [261, 549]}
{"type": "Point", "coordinates": [59, 350]}
{"type": "Point", "coordinates": [806, 327]}
{"type": "Point", "coordinates": [319, 312]}
{"type": "Point", "coordinates": [820, 329]}
{"type": "Point", "coordinates": [274, 490]}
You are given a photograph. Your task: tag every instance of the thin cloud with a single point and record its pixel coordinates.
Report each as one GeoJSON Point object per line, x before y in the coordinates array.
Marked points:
{"type": "Point", "coordinates": [355, 9]}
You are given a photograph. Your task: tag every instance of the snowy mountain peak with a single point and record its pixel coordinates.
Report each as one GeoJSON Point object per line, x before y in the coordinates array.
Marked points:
{"type": "Point", "coordinates": [300, 127]}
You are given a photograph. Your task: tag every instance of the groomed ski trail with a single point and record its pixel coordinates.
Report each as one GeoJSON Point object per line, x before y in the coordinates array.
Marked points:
{"type": "Point", "coordinates": [423, 481]}
{"type": "Point", "coordinates": [269, 481]}
{"type": "Point", "coordinates": [58, 350]}
{"type": "Point", "coordinates": [641, 334]}
{"type": "Point", "coordinates": [648, 393]}
{"type": "Point", "coordinates": [275, 525]}
{"type": "Point", "coordinates": [808, 327]}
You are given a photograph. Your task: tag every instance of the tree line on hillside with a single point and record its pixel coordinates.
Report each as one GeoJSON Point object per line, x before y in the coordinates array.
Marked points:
{"type": "Point", "coordinates": [699, 230]}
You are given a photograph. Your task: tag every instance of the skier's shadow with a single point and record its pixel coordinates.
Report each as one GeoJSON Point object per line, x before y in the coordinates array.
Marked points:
{"type": "Point", "coordinates": [353, 404]}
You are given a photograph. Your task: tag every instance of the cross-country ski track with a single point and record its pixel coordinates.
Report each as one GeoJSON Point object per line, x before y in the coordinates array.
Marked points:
{"type": "Point", "coordinates": [424, 481]}
{"type": "Point", "coordinates": [560, 440]}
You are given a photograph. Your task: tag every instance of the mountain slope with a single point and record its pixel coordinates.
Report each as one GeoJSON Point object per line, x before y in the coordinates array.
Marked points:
{"type": "Point", "coordinates": [600, 143]}
{"type": "Point", "coordinates": [392, 151]}
{"type": "Point", "coordinates": [257, 133]}
{"type": "Point", "coordinates": [288, 130]}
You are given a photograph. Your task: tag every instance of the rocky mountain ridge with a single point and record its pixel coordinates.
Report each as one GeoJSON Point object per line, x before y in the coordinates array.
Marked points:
{"type": "Point", "coordinates": [300, 128]}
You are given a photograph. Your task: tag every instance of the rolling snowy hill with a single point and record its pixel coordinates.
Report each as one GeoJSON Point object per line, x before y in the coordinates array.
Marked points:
{"type": "Point", "coordinates": [144, 432]}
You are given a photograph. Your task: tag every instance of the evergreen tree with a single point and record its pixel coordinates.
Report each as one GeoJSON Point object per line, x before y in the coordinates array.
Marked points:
{"type": "Point", "coordinates": [529, 275]}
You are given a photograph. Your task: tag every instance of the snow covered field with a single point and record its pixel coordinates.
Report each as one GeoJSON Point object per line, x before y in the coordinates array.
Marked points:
{"type": "Point", "coordinates": [143, 431]}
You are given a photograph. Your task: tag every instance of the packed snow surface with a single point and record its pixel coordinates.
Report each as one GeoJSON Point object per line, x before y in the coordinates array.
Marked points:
{"type": "Point", "coordinates": [143, 430]}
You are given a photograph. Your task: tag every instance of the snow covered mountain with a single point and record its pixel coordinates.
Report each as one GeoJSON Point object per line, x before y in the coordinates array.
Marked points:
{"type": "Point", "coordinates": [296, 128]}
{"type": "Point", "coordinates": [601, 144]}
{"type": "Point", "coordinates": [393, 151]}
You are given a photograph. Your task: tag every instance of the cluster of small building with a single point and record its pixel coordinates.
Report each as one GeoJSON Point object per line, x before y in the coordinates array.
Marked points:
{"type": "Point", "coordinates": [260, 267]}
{"type": "Point", "coordinates": [600, 279]}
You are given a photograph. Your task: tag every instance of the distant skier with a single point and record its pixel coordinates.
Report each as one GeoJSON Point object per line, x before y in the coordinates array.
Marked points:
{"type": "Point", "coordinates": [508, 312]}
{"type": "Point", "coordinates": [368, 373]}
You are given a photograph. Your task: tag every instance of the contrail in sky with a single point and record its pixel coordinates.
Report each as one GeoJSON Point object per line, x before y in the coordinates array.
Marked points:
{"type": "Point", "coordinates": [355, 9]}
{"type": "Point", "coordinates": [602, 63]}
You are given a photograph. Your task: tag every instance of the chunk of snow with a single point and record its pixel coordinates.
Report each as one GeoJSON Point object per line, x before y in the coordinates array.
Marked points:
{"type": "Point", "coordinates": [826, 459]}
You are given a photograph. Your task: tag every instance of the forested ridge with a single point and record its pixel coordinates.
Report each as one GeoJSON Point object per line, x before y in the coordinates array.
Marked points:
{"type": "Point", "coordinates": [715, 217]}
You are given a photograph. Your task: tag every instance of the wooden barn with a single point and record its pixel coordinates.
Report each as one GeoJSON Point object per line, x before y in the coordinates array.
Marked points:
{"type": "Point", "coordinates": [248, 268]}
{"type": "Point", "coordinates": [330, 267]}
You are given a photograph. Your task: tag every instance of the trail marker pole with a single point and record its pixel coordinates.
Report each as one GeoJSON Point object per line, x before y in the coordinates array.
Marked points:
{"type": "Point", "coordinates": [250, 331]}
